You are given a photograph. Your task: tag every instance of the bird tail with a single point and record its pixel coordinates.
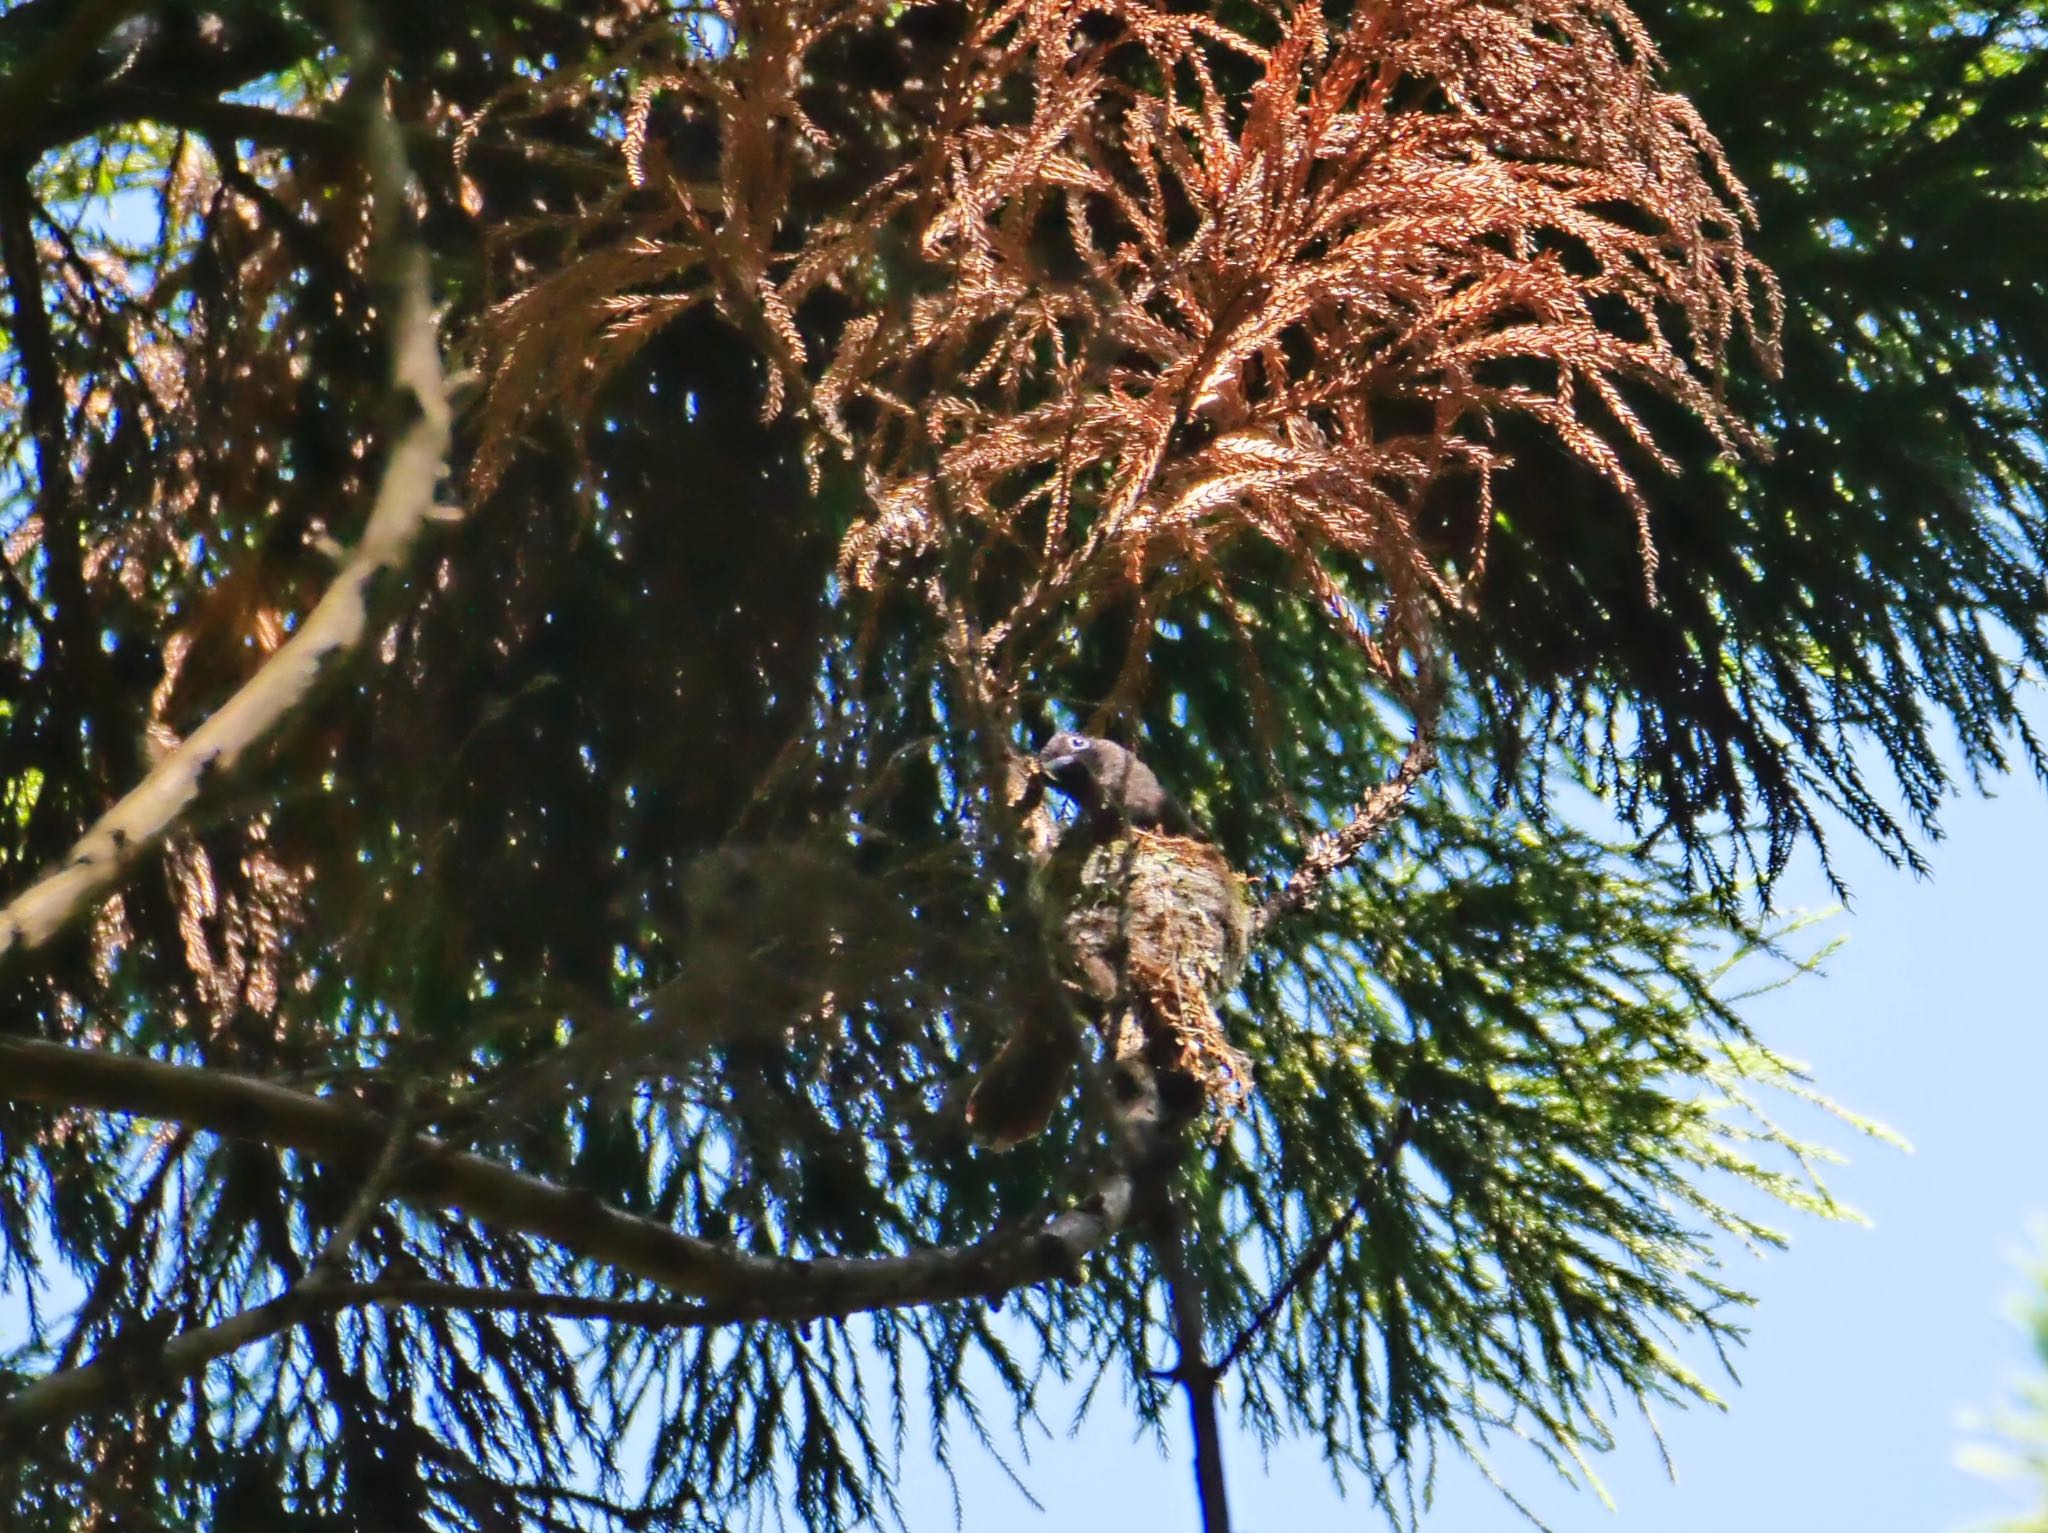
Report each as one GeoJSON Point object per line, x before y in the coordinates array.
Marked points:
{"type": "Point", "coordinates": [1024, 1084]}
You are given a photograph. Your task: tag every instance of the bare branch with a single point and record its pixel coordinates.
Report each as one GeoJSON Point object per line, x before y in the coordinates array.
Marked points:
{"type": "Point", "coordinates": [25, 600]}
{"type": "Point", "coordinates": [44, 408]}
{"type": "Point", "coordinates": [123, 1368]}
{"type": "Point", "coordinates": [124, 1371]}
{"type": "Point", "coordinates": [61, 92]}
{"type": "Point", "coordinates": [208, 115]}
{"type": "Point", "coordinates": [111, 1283]}
{"type": "Point", "coordinates": [1319, 1250]}
{"type": "Point", "coordinates": [336, 628]}
{"type": "Point", "coordinates": [1191, 1367]}
{"type": "Point", "coordinates": [333, 1257]}
{"type": "Point", "coordinates": [234, 120]}
{"type": "Point", "coordinates": [433, 1174]}
{"type": "Point", "coordinates": [41, 80]}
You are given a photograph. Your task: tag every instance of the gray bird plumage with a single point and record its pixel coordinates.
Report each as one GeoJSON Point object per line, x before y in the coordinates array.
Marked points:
{"type": "Point", "coordinates": [1110, 785]}
{"type": "Point", "coordinates": [1148, 925]}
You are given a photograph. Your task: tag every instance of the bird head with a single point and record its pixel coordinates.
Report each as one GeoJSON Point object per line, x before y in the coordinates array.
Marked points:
{"type": "Point", "coordinates": [1107, 782]}
{"type": "Point", "coordinates": [1075, 762]}
{"type": "Point", "coordinates": [1104, 778]}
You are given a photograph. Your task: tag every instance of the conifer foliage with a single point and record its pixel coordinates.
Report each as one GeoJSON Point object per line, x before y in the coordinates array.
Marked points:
{"type": "Point", "coordinates": [1162, 283]}
{"type": "Point", "coordinates": [538, 540]}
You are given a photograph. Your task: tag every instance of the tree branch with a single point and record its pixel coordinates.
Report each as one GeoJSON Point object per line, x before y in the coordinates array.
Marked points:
{"type": "Point", "coordinates": [1336, 849]}
{"type": "Point", "coordinates": [1148, 1141]}
{"type": "Point", "coordinates": [123, 1370]}
{"type": "Point", "coordinates": [42, 79]}
{"type": "Point", "coordinates": [417, 1168]}
{"type": "Point", "coordinates": [333, 1257]}
{"type": "Point", "coordinates": [432, 1174]}
{"type": "Point", "coordinates": [1319, 1250]}
{"type": "Point", "coordinates": [208, 115]}
{"type": "Point", "coordinates": [336, 628]}
{"type": "Point", "coordinates": [1191, 1367]}
{"type": "Point", "coordinates": [25, 599]}
{"type": "Point", "coordinates": [44, 408]}
{"type": "Point", "coordinates": [233, 121]}
{"type": "Point", "coordinates": [111, 1281]}
{"type": "Point", "coordinates": [50, 97]}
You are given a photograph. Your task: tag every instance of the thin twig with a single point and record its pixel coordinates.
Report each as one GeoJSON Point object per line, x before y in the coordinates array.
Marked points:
{"type": "Point", "coordinates": [1311, 1260]}
{"type": "Point", "coordinates": [1336, 849]}
{"type": "Point", "coordinates": [112, 1277]}
{"type": "Point", "coordinates": [25, 599]}
{"type": "Point", "coordinates": [333, 1257]}
{"type": "Point", "coordinates": [664, 1513]}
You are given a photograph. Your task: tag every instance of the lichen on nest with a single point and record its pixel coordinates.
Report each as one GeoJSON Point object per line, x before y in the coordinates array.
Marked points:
{"type": "Point", "coordinates": [1153, 928]}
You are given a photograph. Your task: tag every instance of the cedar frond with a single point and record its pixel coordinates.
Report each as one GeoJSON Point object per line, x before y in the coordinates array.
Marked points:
{"type": "Point", "coordinates": [1160, 285]}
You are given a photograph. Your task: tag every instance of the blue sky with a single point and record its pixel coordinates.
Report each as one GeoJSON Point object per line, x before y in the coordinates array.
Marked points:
{"type": "Point", "coordinates": [1868, 1345]}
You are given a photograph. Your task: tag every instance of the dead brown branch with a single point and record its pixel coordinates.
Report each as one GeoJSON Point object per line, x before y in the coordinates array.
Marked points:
{"type": "Point", "coordinates": [1148, 322]}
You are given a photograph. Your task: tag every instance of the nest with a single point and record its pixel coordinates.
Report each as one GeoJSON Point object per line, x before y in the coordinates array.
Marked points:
{"type": "Point", "coordinates": [1152, 929]}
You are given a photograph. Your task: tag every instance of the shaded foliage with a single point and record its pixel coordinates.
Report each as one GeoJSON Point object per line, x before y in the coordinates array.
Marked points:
{"type": "Point", "coordinates": [1891, 543]}
{"type": "Point", "coordinates": [1187, 363]}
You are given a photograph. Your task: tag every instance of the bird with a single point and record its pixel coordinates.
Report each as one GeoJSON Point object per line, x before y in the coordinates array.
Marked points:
{"type": "Point", "coordinates": [1148, 926]}
{"type": "Point", "coordinates": [1110, 786]}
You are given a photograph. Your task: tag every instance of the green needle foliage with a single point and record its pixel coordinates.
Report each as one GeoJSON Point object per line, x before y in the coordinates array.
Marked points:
{"type": "Point", "coordinates": [1896, 159]}
{"type": "Point", "coordinates": [864, 389]}
{"type": "Point", "coordinates": [2017, 1447]}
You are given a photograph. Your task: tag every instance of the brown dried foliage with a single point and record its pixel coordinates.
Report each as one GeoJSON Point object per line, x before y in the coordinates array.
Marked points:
{"type": "Point", "coordinates": [205, 542]}
{"type": "Point", "coordinates": [1098, 288]}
